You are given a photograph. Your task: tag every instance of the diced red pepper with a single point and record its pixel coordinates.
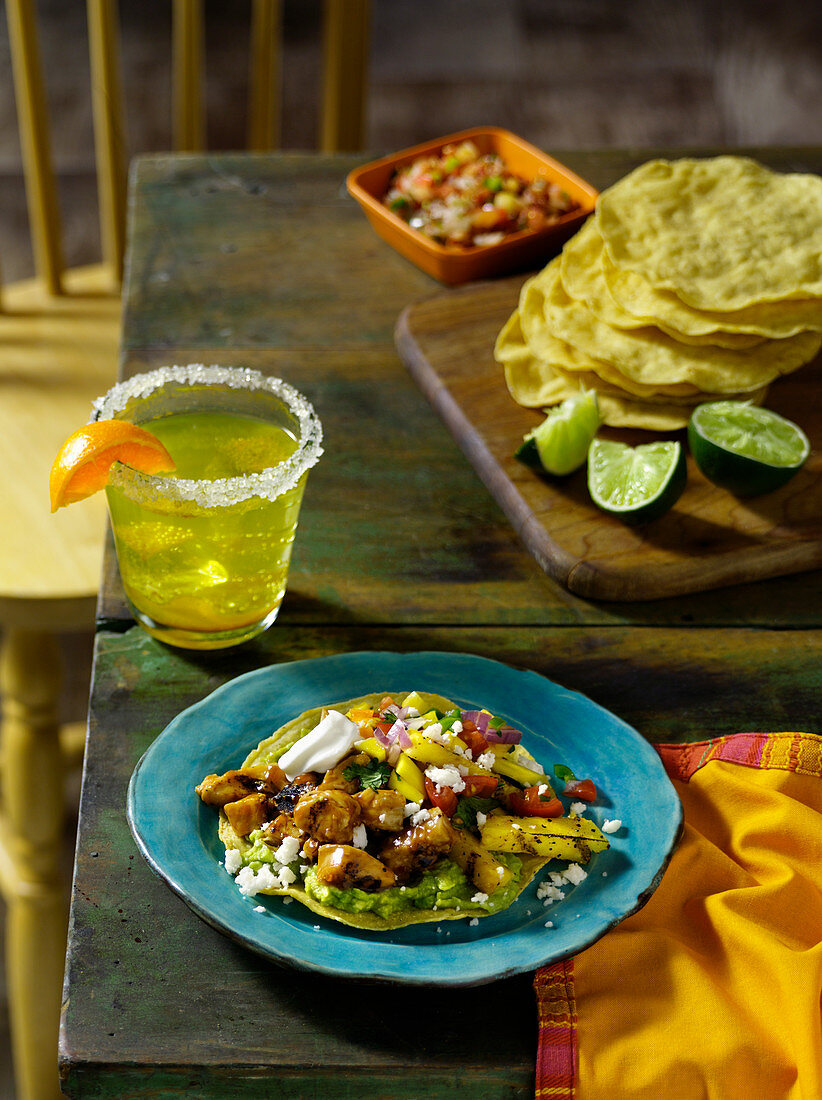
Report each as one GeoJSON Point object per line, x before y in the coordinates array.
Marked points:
{"type": "Point", "coordinates": [581, 788]}
{"type": "Point", "coordinates": [530, 803]}
{"type": "Point", "coordinates": [482, 786]}
{"type": "Point", "coordinates": [473, 739]}
{"type": "Point", "coordinates": [443, 798]}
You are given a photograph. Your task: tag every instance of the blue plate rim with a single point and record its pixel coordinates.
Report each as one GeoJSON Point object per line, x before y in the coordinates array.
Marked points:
{"type": "Point", "coordinates": [479, 961]}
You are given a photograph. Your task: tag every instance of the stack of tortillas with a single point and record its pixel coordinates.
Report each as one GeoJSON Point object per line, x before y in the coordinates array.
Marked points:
{"type": "Point", "coordinates": [694, 280]}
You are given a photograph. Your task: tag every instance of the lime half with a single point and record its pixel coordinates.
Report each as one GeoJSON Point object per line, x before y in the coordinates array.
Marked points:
{"type": "Point", "coordinates": [636, 484]}
{"type": "Point", "coordinates": [744, 448]}
{"type": "Point", "coordinates": [560, 444]}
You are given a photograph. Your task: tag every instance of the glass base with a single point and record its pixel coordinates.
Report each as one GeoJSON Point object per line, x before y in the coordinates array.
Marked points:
{"type": "Point", "coordinates": [203, 639]}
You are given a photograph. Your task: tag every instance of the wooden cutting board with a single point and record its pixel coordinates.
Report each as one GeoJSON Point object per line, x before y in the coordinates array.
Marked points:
{"type": "Point", "coordinates": [708, 540]}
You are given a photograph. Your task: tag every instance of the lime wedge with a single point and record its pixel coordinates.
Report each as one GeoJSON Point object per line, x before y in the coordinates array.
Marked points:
{"type": "Point", "coordinates": [636, 484]}
{"type": "Point", "coordinates": [560, 444]}
{"type": "Point", "coordinates": [744, 448]}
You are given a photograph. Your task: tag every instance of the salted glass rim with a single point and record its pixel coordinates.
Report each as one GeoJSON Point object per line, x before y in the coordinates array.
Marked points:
{"type": "Point", "coordinates": [269, 484]}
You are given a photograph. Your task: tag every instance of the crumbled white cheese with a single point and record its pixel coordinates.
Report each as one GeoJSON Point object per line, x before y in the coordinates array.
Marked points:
{"type": "Point", "coordinates": [286, 877]}
{"type": "Point", "coordinates": [578, 808]}
{"type": "Point", "coordinates": [548, 893]}
{"type": "Point", "coordinates": [360, 838]}
{"type": "Point", "coordinates": [481, 818]}
{"type": "Point", "coordinates": [543, 788]}
{"type": "Point", "coordinates": [575, 874]}
{"type": "Point", "coordinates": [480, 898]}
{"type": "Point", "coordinates": [288, 850]}
{"type": "Point", "coordinates": [486, 760]}
{"type": "Point", "coordinates": [251, 884]}
{"type": "Point", "coordinates": [420, 817]}
{"type": "Point", "coordinates": [233, 861]}
{"type": "Point", "coordinates": [457, 727]}
{"type": "Point", "coordinates": [549, 924]}
{"type": "Point", "coordinates": [259, 909]}
{"type": "Point", "coordinates": [411, 808]}
{"type": "Point", "coordinates": [434, 733]}
{"type": "Point", "coordinates": [447, 776]}
{"type": "Point", "coordinates": [473, 922]}
{"type": "Point", "coordinates": [611, 826]}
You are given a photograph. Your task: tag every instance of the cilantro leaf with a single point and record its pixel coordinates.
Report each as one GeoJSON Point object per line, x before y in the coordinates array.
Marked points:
{"type": "Point", "coordinates": [468, 808]}
{"type": "Point", "coordinates": [561, 771]}
{"type": "Point", "coordinates": [374, 774]}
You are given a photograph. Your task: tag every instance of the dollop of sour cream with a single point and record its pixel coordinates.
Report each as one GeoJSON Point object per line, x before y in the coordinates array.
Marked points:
{"type": "Point", "coordinates": [322, 748]}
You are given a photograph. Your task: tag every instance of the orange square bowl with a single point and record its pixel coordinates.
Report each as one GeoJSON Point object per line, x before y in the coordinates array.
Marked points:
{"type": "Point", "coordinates": [454, 264]}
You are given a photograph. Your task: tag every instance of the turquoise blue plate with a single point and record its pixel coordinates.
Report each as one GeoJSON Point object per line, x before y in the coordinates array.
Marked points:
{"type": "Point", "coordinates": [177, 834]}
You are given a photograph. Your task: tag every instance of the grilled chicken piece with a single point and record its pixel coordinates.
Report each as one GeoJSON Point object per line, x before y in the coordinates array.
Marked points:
{"type": "Point", "coordinates": [247, 814]}
{"type": "Point", "coordinates": [306, 779]}
{"type": "Point", "coordinates": [344, 865]}
{"type": "Point", "coordinates": [217, 790]}
{"type": "Point", "coordinates": [334, 776]}
{"type": "Point", "coordinates": [327, 815]}
{"type": "Point", "coordinates": [274, 832]}
{"type": "Point", "coordinates": [418, 847]}
{"type": "Point", "coordinates": [382, 809]}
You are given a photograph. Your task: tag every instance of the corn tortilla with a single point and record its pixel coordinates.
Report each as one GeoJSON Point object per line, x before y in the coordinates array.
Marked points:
{"type": "Point", "coordinates": [272, 748]}
{"type": "Point", "coordinates": [583, 277]}
{"type": "Point", "coordinates": [722, 233]}
{"type": "Point", "coordinates": [648, 355]}
{"type": "Point", "coordinates": [536, 383]}
{"type": "Point", "coordinates": [776, 320]}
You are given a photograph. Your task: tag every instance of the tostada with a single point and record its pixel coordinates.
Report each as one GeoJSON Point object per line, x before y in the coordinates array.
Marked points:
{"type": "Point", "coordinates": [398, 808]}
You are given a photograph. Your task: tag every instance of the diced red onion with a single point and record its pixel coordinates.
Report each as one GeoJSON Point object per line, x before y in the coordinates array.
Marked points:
{"type": "Point", "coordinates": [505, 735]}
{"type": "Point", "coordinates": [398, 712]}
{"type": "Point", "coordinates": [480, 718]}
{"type": "Point", "coordinates": [381, 737]}
{"type": "Point", "coordinates": [399, 734]}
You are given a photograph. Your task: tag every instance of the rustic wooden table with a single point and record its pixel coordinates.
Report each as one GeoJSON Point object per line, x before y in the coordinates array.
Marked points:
{"type": "Point", "coordinates": [265, 261]}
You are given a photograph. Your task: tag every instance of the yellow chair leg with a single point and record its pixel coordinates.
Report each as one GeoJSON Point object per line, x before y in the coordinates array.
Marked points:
{"type": "Point", "coordinates": [31, 770]}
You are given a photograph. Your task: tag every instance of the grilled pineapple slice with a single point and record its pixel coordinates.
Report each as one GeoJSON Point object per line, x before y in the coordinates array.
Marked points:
{"type": "Point", "coordinates": [478, 863]}
{"type": "Point", "coordinates": [571, 838]}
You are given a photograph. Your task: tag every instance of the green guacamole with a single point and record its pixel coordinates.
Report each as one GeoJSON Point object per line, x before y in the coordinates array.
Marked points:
{"type": "Point", "coordinates": [443, 887]}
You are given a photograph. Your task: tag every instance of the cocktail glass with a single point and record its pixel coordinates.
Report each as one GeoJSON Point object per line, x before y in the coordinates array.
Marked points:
{"type": "Point", "coordinates": [204, 552]}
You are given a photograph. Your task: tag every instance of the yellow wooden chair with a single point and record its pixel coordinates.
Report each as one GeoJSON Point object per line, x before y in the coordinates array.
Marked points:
{"type": "Point", "coordinates": [59, 339]}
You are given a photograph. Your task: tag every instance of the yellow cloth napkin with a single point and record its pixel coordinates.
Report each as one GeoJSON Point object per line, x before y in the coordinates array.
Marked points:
{"type": "Point", "coordinates": [713, 990]}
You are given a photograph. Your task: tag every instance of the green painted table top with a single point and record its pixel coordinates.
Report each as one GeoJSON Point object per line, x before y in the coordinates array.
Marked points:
{"type": "Point", "coordinates": [265, 261]}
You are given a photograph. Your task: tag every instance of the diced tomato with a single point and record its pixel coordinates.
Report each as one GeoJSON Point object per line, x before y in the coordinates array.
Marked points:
{"type": "Point", "coordinates": [530, 803]}
{"type": "Point", "coordinates": [383, 727]}
{"type": "Point", "coordinates": [473, 739]}
{"type": "Point", "coordinates": [443, 798]}
{"type": "Point", "coordinates": [482, 786]}
{"type": "Point", "coordinates": [385, 704]}
{"type": "Point", "coordinates": [581, 788]}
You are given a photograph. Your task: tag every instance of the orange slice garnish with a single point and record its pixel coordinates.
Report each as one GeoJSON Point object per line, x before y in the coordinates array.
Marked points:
{"type": "Point", "coordinates": [82, 465]}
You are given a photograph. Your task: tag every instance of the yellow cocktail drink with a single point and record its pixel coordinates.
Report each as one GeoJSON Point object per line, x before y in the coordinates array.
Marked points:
{"type": "Point", "coordinates": [204, 552]}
